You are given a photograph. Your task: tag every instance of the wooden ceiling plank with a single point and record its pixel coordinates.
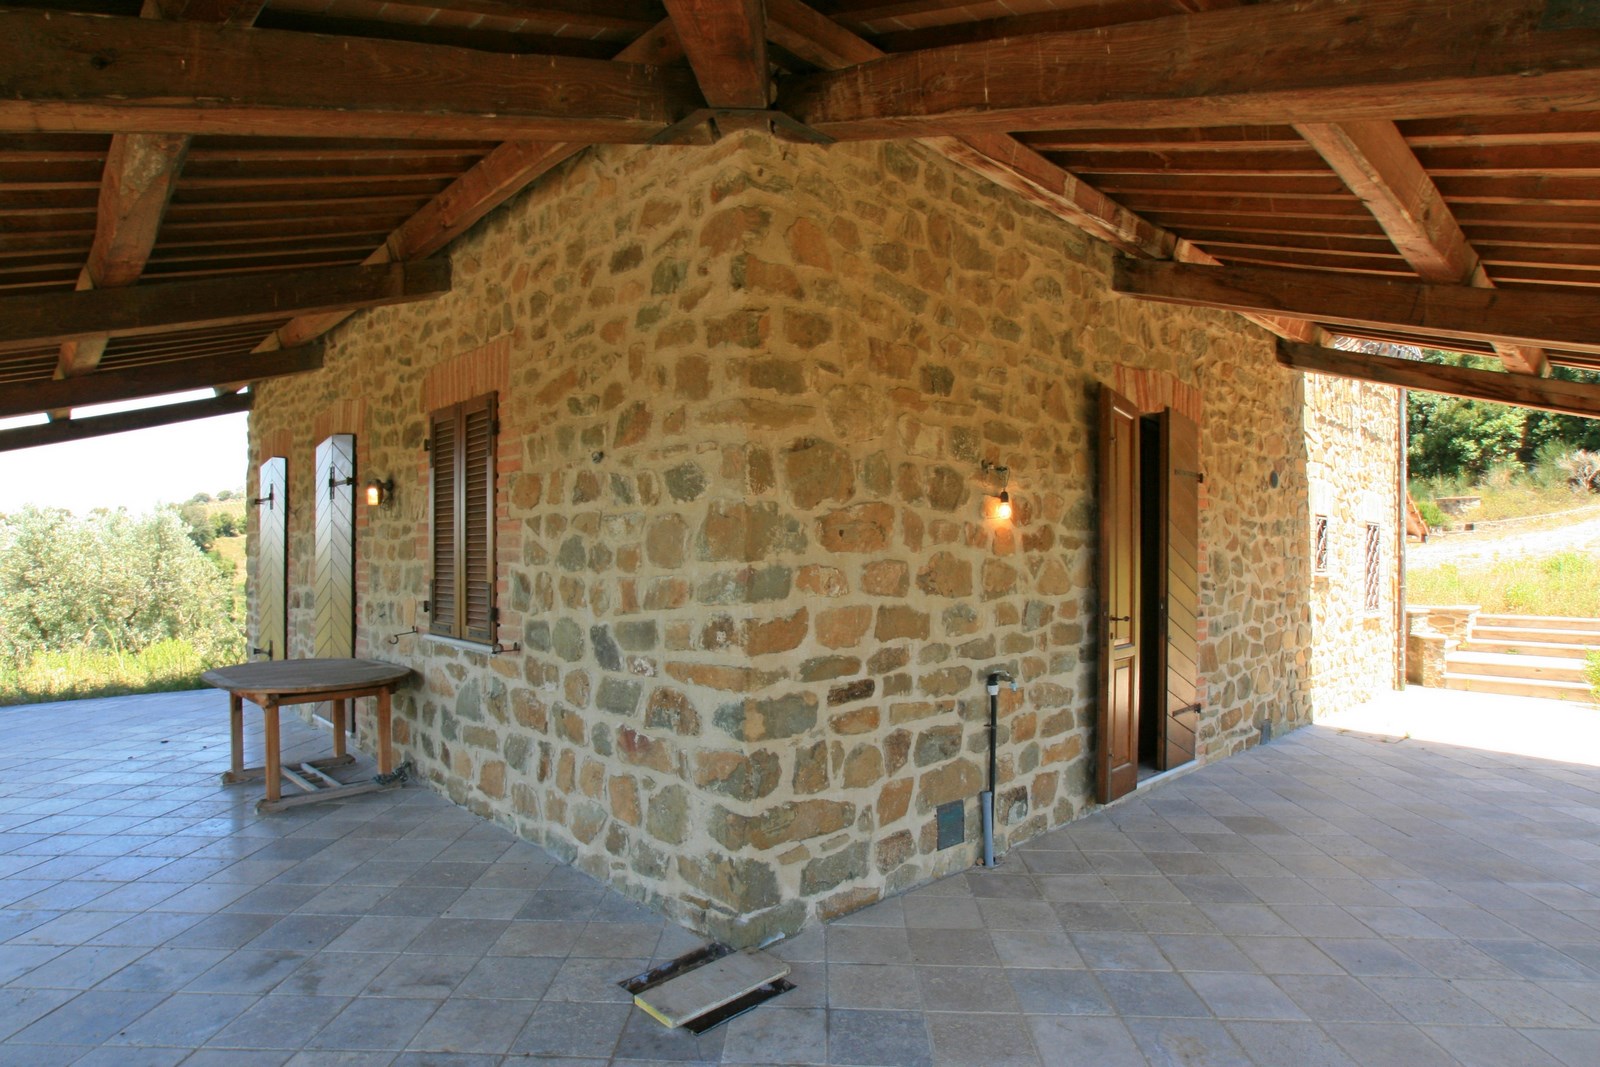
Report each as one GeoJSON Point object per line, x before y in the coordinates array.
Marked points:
{"type": "Point", "coordinates": [500, 175]}
{"type": "Point", "coordinates": [1552, 318]}
{"type": "Point", "coordinates": [1378, 165]}
{"type": "Point", "coordinates": [1005, 160]}
{"type": "Point", "coordinates": [168, 307]}
{"type": "Point", "coordinates": [726, 44]}
{"type": "Point", "coordinates": [1544, 394]}
{"type": "Point", "coordinates": [159, 379]}
{"type": "Point", "coordinates": [53, 433]}
{"type": "Point", "coordinates": [141, 172]}
{"type": "Point", "coordinates": [1319, 60]}
{"type": "Point", "coordinates": [184, 77]}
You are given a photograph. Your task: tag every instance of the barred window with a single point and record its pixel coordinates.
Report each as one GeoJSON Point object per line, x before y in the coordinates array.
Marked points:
{"type": "Point", "coordinates": [461, 453]}
{"type": "Point", "coordinates": [1319, 544]}
{"type": "Point", "coordinates": [1374, 552]}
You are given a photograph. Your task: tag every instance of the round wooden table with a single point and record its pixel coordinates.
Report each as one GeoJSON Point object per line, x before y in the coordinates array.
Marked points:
{"type": "Point", "coordinates": [275, 683]}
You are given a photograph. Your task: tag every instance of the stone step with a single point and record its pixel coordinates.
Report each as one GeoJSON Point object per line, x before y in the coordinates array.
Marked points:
{"type": "Point", "coordinates": [1532, 633]}
{"type": "Point", "coordinates": [1529, 648]}
{"type": "Point", "coordinates": [1519, 687]}
{"type": "Point", "coordinates": [1544, 622]}
{"type": "Point", "coordinates": [1505, 665]}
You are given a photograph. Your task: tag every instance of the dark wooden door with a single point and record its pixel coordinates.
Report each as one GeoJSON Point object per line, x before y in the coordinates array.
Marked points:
{"type": "Point", "coordinates": [272, 559]}
{"type": "Point", "coordinates": [335, 586]}
{"type": "Point", "coordinates": [1117, 744]}
{"type": "Point", "coordinates": [1178, 647]}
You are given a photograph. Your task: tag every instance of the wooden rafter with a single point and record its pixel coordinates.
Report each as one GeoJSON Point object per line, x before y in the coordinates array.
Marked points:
{"type": "Point", "coordinates": [141, 171]}
{"type": "Point", "coordinates": [496, 178]}
{"type": "Point", "coordinates": [1545, 394]}
{"type": "Point", "coordinates": [726, 42]}
{"type": "Point", "coordinates": [107, 386]}
{"type": "Point", "coordinates": [1006, 161]}
{"type": "Point", "coordinates": [32, 319]}
{"type": "Point", "coordinates": [1375, 162]}
{"type": "Point", "coordinates": [54, 433]}
{"type": "Point", "coordinates": [1555, 318]}
{"type": "Point", "coordinates": [120, 75]}
{"type": "Point", "coordinates": [1320, 60]}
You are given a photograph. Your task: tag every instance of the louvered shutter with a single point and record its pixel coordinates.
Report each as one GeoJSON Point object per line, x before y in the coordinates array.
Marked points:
{"type": "Point", "coordinates": [444, 452]}
{"type": "Point", "coordinates": [477, 519]}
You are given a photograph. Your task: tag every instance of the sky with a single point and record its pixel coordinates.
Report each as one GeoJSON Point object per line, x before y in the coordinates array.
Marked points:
{"type": "Point", "coordinates": [135, 470]}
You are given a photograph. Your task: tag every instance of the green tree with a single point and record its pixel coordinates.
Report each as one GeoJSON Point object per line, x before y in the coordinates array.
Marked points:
{"type": "Point", "coordinates": [110, 581]}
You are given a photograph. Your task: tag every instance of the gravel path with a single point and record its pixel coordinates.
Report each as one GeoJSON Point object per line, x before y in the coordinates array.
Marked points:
{"type": "Point", "coordinates": [1476, 547]}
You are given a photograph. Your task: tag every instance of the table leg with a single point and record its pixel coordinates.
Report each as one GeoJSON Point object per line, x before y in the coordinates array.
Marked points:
{"type": "Point", "coordinates": [274, 765]}
{"type": "Point", "coordinates": [338, 727]}
{"type": "Point", "coordinates": [385, 749]}
{"type": "Point", "coordinates": [236, 732]}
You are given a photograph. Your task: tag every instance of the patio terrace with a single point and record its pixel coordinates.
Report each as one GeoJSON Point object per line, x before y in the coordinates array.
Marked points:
{"type": "Point", "coordinates": [1336, 897]}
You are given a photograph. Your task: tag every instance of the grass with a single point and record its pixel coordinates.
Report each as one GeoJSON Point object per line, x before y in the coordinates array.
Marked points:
{"type": "Point", "coordinates": [1507, 492]}
{"type": "Point", "coordinates": [1591, 671]}
{"type": "Point", "coordinates": [1567, 583]}
{"type": "Point", "coordinates": [165, 666]}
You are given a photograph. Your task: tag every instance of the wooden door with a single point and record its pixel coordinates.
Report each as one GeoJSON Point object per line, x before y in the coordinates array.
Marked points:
{"type": "Point", "coordinates": [272, 559]}
{"type": "Point", "coordinates": [1117, 743]}
{"type": "Point", "coordinates": [335, 585]}
{"type": "Point", "coordinates": [1178, 646]}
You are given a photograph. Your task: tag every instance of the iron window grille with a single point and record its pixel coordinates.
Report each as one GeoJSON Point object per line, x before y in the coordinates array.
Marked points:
{"type": "Point", "coordinates": [1374, 550]}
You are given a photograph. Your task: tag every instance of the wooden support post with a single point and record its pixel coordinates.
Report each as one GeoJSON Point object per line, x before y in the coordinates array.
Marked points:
{"type": "Point", "coordinates": [385, 743]}
{"type": "Point", "coordinates": [269, 711]}
{"type": "Point", "coordinates": [338, 725]}
{"type": "Point", "coordinates": [235, 737]}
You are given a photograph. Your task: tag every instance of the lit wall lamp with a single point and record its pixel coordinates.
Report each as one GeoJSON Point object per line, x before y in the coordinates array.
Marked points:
{"type": "Point", "coordinates": [380, 493]}
{"type": "Point", "coordinates": [1002, 502]}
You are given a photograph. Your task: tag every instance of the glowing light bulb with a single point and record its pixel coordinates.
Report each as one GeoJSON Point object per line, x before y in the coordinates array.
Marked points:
{"type": "Point", "coordinates": [1002, 510]}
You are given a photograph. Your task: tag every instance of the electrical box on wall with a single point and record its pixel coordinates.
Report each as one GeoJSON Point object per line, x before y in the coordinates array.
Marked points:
{"type": "Point", "coordinates": [952, 823]}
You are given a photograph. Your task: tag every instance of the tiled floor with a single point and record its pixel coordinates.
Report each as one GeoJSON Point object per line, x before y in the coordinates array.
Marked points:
{"type": "Point", "coordinates": [1333, 898]}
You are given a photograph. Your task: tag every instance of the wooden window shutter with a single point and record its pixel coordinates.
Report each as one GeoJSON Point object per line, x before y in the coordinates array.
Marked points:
{"type": "Point", "coordinates": [442, 432]}
{"type": "Point", "coordinates": [463, 441]}
{"type": "Point", "coordinates": [477, 518]}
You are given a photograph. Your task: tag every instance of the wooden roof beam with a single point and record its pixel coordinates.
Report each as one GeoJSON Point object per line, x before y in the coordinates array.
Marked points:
{"type": "Point", "coordinates": [726, 42]}
{"type": "Point", "coordinates": [54, 433]}
{"type": "Point", "coordinates": [1006, 161]}
{"type": "Point", "coordinates": [159, 379]}
{"type": "Point", "coordinates": [31, 319]}
{"type": "Point", "coordinates": [1375, 162]}
{"type": "Point", "coordinates": [1314, 61]}
{"type": "Point", "coordinates": [1544, 394]}
{"type": "Point", "coordinates": [140, 173]}
{"type": "Point", "coordinates": [492, 181]}
{"type": "Point", "coordinates": [120, 75]}
{"type": "Point", "coordinates": [1545, 317]}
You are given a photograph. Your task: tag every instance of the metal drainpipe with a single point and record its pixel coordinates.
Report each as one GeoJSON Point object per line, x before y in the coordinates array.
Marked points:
{"type": "Point", "coordinates": [986, 798]}
{"type": "Point", "coordinates": [1404, 513]}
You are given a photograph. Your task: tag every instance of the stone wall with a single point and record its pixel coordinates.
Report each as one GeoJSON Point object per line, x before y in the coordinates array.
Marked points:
{"type": "Point", "coordinates": [1351, 433]}
{"type": "Point", "coordinates": [747, 394]}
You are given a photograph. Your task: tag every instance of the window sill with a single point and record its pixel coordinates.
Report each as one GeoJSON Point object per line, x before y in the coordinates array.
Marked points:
{"type": "Point", "coordinates": [483, 647]}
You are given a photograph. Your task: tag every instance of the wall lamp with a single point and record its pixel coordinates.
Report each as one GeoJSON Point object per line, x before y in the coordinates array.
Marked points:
{"type": "Point", "coordinates": [380, 493]}
{"type": "Point", "coordinates": [1002, 502]}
